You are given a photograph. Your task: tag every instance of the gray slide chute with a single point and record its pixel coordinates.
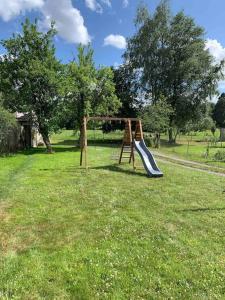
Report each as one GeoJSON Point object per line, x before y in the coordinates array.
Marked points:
{"type": "Point", "coordinates": [147, 159]}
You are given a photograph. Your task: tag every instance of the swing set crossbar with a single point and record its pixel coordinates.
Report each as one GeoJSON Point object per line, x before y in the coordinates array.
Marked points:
{"type": "Point", "coordinates": [111, 119]}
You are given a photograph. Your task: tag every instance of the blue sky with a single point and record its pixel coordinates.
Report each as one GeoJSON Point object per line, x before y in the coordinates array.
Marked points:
{"type": "Point", "coordinates": [106, 23]}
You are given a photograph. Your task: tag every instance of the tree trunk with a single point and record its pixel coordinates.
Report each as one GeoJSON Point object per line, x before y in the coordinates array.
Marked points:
{"type": "Point", "coordinates": [170, 133]}
{"type": "Point", "coordinates": [222, 134]}
{"type": "Point", "coordinates": [47, 143]}
{"type": "Point", "coordinates": [157, 140]}
{"type": "Point", "coordinates": [44, 133]}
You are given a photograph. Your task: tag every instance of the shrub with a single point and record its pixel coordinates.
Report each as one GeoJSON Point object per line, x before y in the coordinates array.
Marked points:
{"type": "Point", "coordinates": [148, 140]}
{"type": "Point", "coordinates": [8, 127]}
{"type": "Point", "coordinates": [219, 155]}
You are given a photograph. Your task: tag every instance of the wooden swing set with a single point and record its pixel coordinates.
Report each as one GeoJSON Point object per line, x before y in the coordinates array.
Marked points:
{"type": "Point", "coordinates": [127, 147]}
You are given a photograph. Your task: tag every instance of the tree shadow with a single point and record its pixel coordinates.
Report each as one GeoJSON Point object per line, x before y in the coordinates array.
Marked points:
{"type": "Point", "coordinates": [166, 144]}
{"type": "Point", "coordinates": [91, 142]}
{"type": "Point", "coordinates": [66, 143]}
{"type": "Point", "coordinates": [116, 168]}
{"type": "Point", "coordinates": [42, 150]}
{"type": "Point", "coordinates": [201, 209]}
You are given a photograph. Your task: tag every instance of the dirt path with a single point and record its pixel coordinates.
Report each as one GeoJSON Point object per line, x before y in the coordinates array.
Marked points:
{"type": "Point", "coordinates": [189, 164]}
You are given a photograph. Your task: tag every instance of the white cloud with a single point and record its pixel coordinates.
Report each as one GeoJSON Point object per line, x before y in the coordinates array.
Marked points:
{"type": "Point", "coordinates": [125, 3]}
{"type": "Point", "coordinates": [12, 8]}
{"type": "Point", "coordinates": [221, 86]}
{"type": "Point", "coordinates": [68, 21]}
{"type": "Point", "coordinates": [107, 2]}
{"type": "Point", "coordinates": [117, 41]}
{"type": "Point", "coordinates": [116, 65]}
{"type": "Point", "coordinates": [218, 52]}
{"type": "Point", "coordinates": [215, 49]}
{"type": "Point", "coordinates": [94, 6]}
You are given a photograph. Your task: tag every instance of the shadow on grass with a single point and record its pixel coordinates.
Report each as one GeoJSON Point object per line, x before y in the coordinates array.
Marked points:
{"type": "Point", "coordinates": [116, 168]}
{"type": "Point", "coordinates": [33, 151]}
{"type": "Point", "coordinates": [202, 209]}
{"type": "Point", "coordinates": [91, 142]}
{"type": "Point", "coordinates": [166, 144]}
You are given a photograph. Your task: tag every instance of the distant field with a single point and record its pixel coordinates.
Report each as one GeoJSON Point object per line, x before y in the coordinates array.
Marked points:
{"type": "Point", "coordinates": [108, 232]}
{"type": "Point", "coordinates": [196, 149]}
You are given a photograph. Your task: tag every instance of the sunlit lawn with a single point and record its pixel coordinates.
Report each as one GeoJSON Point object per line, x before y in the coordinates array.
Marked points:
{"type": "Point", "coordinates": [108, 233]}
{"type": "Point", "coordinates": [193, 147]}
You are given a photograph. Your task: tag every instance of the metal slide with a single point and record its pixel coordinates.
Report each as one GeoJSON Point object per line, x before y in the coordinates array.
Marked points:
{"type": "Point", "coordinates": [147, 159]}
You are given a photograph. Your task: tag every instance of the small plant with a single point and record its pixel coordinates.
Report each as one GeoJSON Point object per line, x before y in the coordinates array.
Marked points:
{"type": "Point", "coordinates": [219, 155]}
{"type": "Point", "coordinates": [148, 140]}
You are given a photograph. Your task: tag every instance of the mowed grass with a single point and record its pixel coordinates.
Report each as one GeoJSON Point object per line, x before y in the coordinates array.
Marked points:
{"type": "Point", "coordinates": [194, 148]}
{"type": "Point", "coordinates": [108, 232]}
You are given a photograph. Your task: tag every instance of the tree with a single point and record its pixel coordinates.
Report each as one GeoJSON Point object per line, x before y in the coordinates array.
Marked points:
{"type": "Point", "coordinates": [219, 115]}
{"type": "Point", "coordinates": [89, 91]}
{"type": "Point", "coordinates": [156, 118]}
{"type": "Point", "coordinates": [125, 92]}
{"type": "Point", "coordinates": [7, 126]}
{"type": "Point", "coordinates": [168, 56]}
{"type": "Point", "coordinates": [30, 77]}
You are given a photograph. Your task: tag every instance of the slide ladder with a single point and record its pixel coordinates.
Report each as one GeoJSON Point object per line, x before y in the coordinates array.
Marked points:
{"type": "Point", "coordinates": [127, 145]}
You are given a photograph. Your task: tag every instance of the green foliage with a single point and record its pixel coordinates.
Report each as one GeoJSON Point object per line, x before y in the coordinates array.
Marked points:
{"type": "Point", "coordinates": [213, 129]}
{"type": "Point", "coordinates": [203, 124]}
{"type": "Point", "coordinates": [7, 126]}
{"type": "Point", "coordinates": [156, 117]}
{"type": "Point", "coordinates": [31, 76]}
{"type": "Point", "coordinates": [219, 111]}
{"type": "Point", "coordinates": [219, 155]}
{"type": "Point", "coordinates": [148, 140]}
{"type": "Point", "coordinates": [89, 91]}
{"type": "Point", "coordinates": [125, 92]}
{"type": "Point", "coordinates": [207, 123]}
{"type": "Point", "coordinates": [167, 54]}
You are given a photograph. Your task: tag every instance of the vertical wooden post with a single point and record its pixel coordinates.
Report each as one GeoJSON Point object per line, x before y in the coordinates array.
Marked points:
{"type": "Point", "coordinates": [83, 143]}
{"type": "Point", "coordinates": [140, 127]}
{"type": "Point", "coordinates": [138, 131]}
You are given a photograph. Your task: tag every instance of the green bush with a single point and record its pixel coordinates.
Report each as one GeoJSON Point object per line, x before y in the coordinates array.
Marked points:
{"type": "Point", "coordinates": [219, 155]}
{"type": "Point", "coordinates": [8, 126]}
{"type": "Point", "coordinates": [148, 140]}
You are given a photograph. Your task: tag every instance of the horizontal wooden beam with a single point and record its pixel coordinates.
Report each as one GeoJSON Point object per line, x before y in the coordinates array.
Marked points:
{"type": "Point", "coordinates": [111, 119]}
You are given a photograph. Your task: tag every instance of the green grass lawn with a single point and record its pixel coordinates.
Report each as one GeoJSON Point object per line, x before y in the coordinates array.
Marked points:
{"type": "Point", "coordinates": [108, 233]}
{"type": "Point", "coordinates": [196, 150]}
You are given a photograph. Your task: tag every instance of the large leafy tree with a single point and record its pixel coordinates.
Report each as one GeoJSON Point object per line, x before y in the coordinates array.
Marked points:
{"type": "Point", "coordinates": [169, 58]}
{"type": "Point", "coordinates": [7, 125]}
{"type": "Point", "coordinates": [219, 115]}
{"type": "Point", "coordinates": [90, 91]}
{"type": "Point", "coordinates": [156, 118]}
{"type": "Point", "coordinates": [126, 92]}
{"type": "Point", "coordinates": [31, 76]}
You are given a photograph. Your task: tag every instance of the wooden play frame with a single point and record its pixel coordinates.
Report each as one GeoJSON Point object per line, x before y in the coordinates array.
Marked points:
{"type": "Point", "coordinates": [127, 147]}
